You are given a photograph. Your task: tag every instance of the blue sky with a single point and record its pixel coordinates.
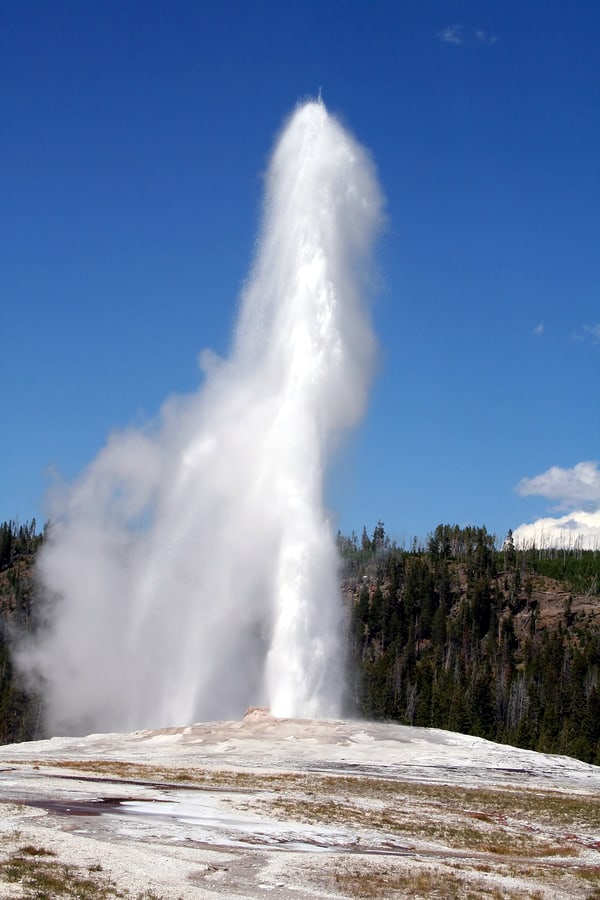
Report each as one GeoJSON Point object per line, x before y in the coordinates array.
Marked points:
{"type": "Point", "coordinates": [135, 138]}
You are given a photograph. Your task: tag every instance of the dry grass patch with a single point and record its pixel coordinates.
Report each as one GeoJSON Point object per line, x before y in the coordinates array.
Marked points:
{"type": "Point", "coordinates": [590, 874]}
{"type": "Point", "coordinates": [167, 776]}
{"type": "Point", "coordinates": [41, 876]}
{"type": "Point", "coordinates": [420, 821]}
{"type": "Point", "coordinates": [363, 882]}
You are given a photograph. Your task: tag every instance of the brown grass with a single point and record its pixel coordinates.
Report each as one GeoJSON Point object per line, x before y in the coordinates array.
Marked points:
{"type": "Point", "coordinates": [42, 877]}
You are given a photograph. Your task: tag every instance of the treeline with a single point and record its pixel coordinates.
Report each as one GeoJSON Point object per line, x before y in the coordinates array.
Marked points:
{"type": "Point", "coordinates": [458, 632]}
{"type": "Point", "coordinates": [462, 635]}
{"type": "Point", "coordinates": [17, 541]}
{"type": "Point", "coordinates": [19, 709]}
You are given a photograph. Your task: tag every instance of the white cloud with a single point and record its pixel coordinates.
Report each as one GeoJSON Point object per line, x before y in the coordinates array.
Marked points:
{"type": "Point", "coordinates": [483, 37]}
{"type": "Point", "coordinates": [588, 333]}
{"type": "Point", "coordinates": [579, 486]}
{"type": "Point", "coordinates": [452, 34]}
{"type": "Point", "coordinates": [593, 331]}
{"type": "Point", "coordinates": [455, 34]}
{"type": "Point", "coordinates": [539, 328]}
{"type": "Point", "coordinates": [577, 529]}
{"type": "Point", "coordinates": [576, 490]}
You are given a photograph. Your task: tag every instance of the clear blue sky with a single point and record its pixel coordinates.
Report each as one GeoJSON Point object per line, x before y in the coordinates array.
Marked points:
{"type": "Point", "coordinates": [134, 138]}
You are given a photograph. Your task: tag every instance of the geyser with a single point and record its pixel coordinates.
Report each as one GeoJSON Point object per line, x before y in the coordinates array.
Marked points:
{"type": "Point", "coordinates": [191, 569]}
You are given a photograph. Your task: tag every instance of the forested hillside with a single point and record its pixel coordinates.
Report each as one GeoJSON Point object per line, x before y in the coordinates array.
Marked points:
{"type": "Point", "coordinates": [19, 711]}
{"type": "Point", "coordinates": [504, 644]}
{"type": "Point", "coordinates": [458, 634]}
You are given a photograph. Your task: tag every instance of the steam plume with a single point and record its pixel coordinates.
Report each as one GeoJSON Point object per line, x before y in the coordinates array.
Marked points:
{"type": "Point", "coordinates": [191, 567]}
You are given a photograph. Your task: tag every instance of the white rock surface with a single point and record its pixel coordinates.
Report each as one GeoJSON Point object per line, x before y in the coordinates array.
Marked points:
{"type": "Point", "coordinates": [298, 808]}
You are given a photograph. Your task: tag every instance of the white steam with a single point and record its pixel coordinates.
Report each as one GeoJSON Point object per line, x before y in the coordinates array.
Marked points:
{"type": "Point", "coordinates": [192, 569]}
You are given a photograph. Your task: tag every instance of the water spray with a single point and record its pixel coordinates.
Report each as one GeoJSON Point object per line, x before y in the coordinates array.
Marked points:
{"type": "Point", "coordinates": [191, 570]}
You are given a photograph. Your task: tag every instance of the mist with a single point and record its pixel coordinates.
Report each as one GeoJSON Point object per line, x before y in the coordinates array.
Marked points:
{"type": "Point", "coordinates": [191, 570]}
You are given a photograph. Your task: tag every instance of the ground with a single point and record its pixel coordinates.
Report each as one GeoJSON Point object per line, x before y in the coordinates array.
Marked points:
{"type": "Point", "coordinates": [287, 808]}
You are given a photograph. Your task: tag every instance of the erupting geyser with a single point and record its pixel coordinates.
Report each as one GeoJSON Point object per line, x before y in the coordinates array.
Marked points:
{"type": "Point", "coordinates": [192, 568]}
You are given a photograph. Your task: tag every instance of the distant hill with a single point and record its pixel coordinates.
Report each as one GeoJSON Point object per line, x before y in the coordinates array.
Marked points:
{"type": "Point", "coordinates": [19, 711]}
{"type": "Point", "coordinates": [503, 644]}
{"type": "Point", "coordinates": [456, 634]}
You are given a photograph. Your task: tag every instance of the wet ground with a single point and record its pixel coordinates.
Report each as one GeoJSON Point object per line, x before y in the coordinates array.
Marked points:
{"type": "Point", "coordinates": [302, 809]}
